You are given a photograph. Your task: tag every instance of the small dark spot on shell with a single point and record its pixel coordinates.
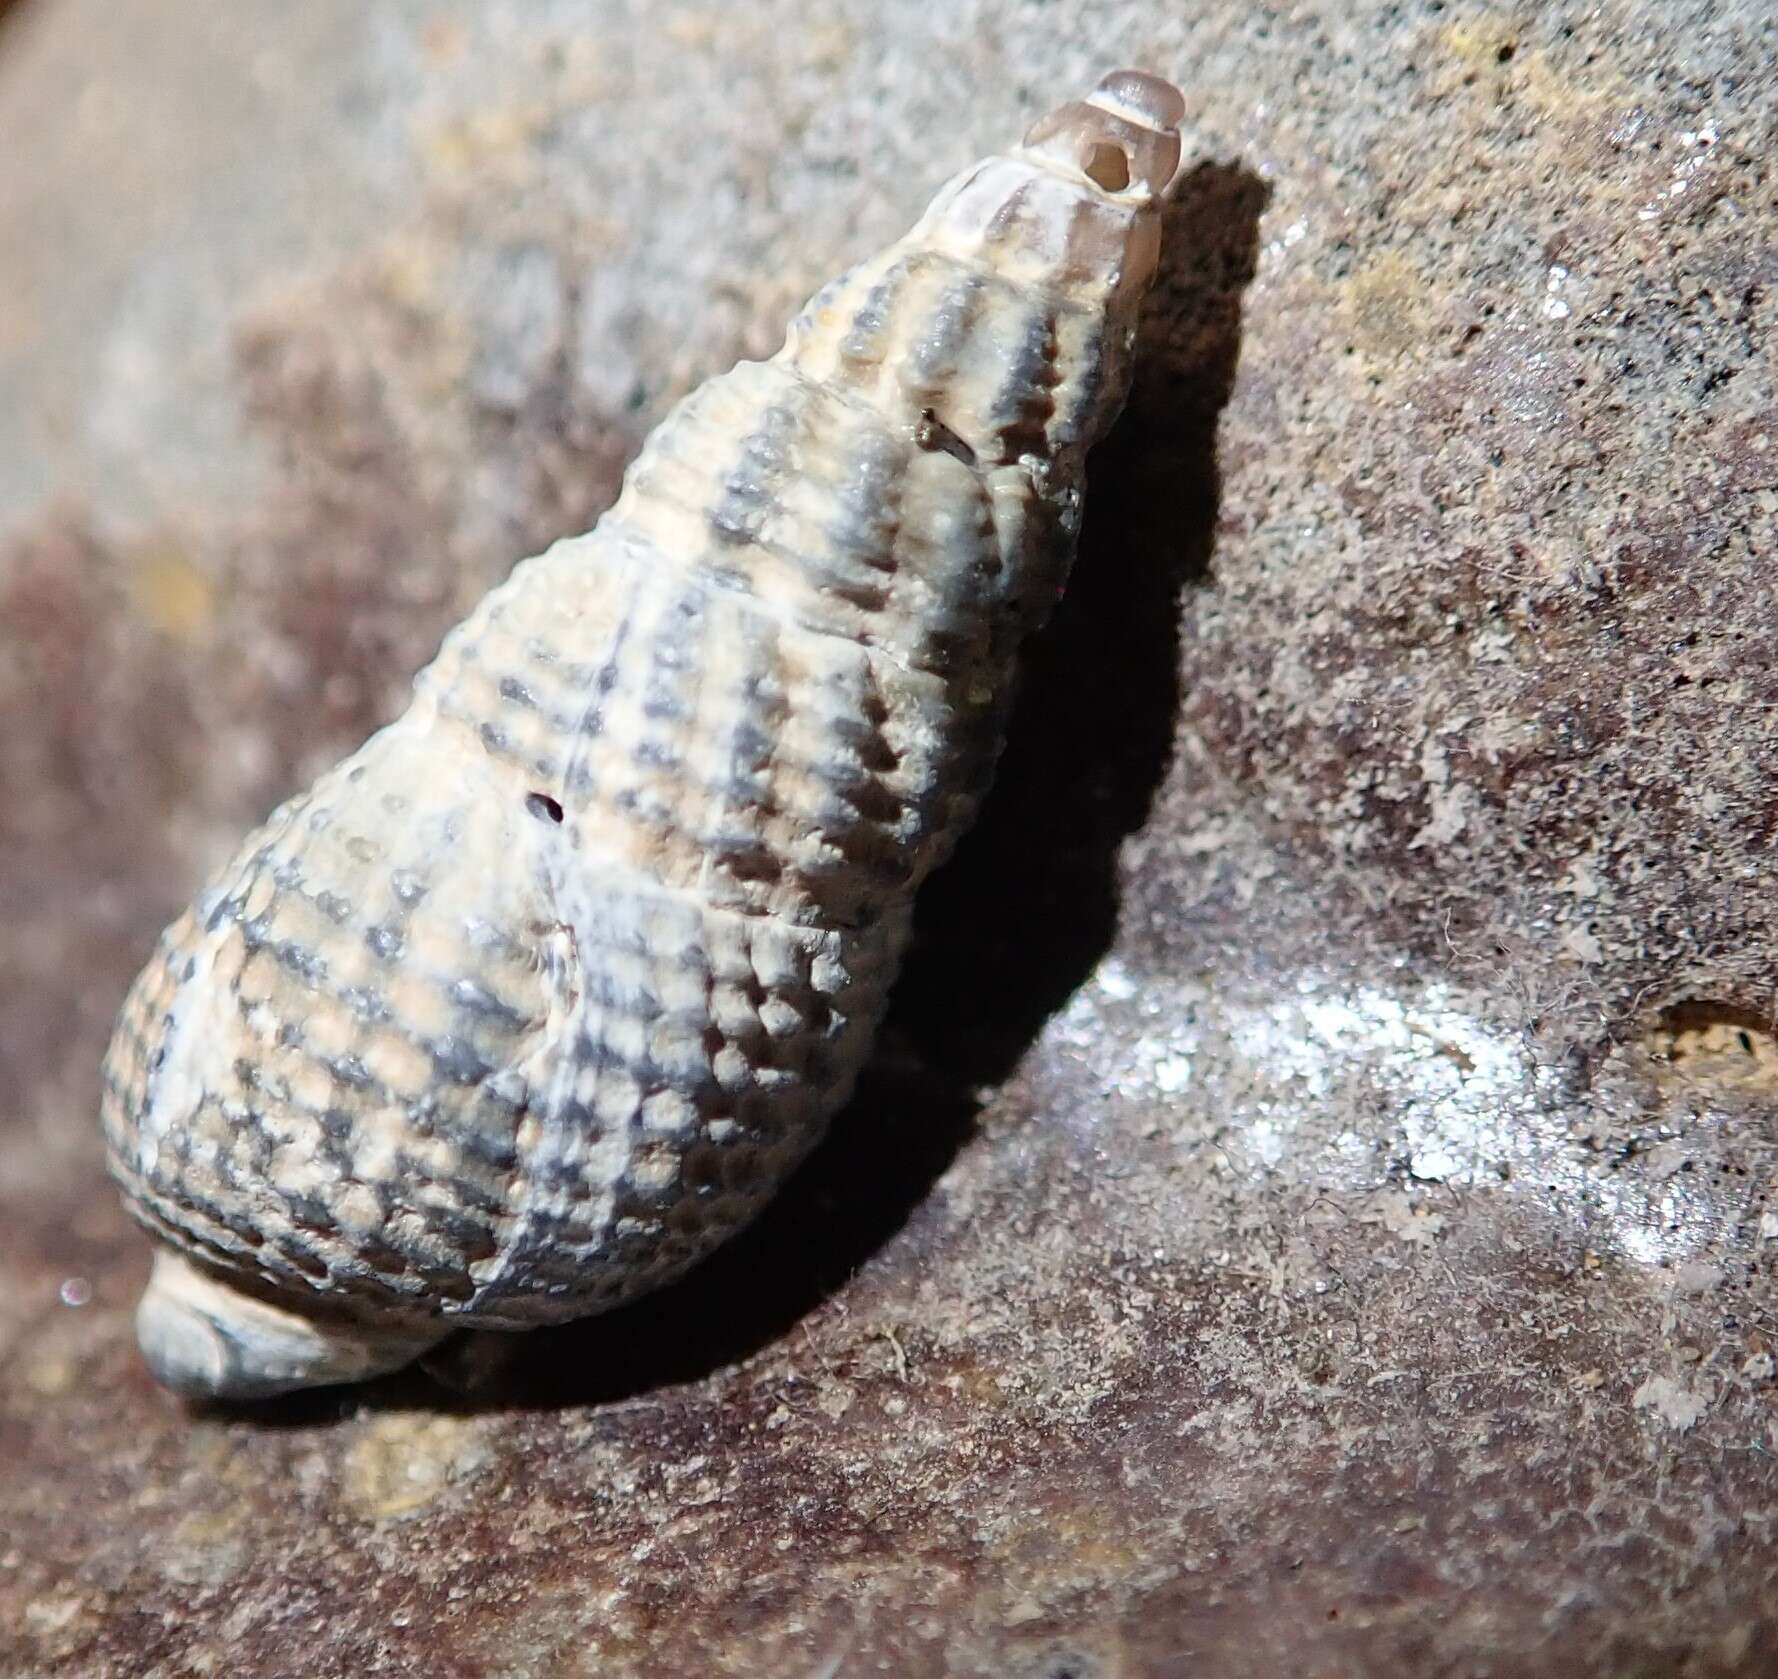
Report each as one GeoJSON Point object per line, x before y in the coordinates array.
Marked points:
{"type": "Point", "coordinates": [542, 806]}
{"type": "Point", "coordinates": [477, 999]}
{"type": "Point", "coordinates": [362, 1001]}
{"type": "Point", "coordinates": [305, 964]}
{"type": "Point", "coordinates": [351, 1071]}
{"type": "Point", "coordinates": [458, 1060]}
{"type": "Point", "coordinates": [933, 433]}
{"type": "Point", "coordinates": [385, 941]}
{"type": "Point", "coordinates": [309, 1212]}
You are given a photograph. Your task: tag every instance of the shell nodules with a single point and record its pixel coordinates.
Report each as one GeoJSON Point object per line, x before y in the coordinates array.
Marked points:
{"type": "Point", "coordinates": [537, 997]}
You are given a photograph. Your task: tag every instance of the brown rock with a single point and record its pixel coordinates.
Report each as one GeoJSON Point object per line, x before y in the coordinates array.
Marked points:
{"type": "Point", "coordinates": [1313, 1212]}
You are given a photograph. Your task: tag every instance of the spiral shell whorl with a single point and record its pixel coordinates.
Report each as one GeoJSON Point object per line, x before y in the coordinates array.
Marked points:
{"type": "Point", "coordinates": [539, 995]}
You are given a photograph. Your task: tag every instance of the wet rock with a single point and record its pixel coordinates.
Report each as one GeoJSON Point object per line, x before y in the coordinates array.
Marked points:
{"type": "Point", "coordinates": [1313, 1208]}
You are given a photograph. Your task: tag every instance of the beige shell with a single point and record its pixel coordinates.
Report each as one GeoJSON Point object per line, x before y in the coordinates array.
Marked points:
{"type": "Point", "coordinates": [539, 995]}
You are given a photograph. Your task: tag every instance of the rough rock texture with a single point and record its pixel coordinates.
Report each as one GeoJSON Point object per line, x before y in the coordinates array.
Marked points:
{"type": "Point", "coordinates": [1315, 1209]}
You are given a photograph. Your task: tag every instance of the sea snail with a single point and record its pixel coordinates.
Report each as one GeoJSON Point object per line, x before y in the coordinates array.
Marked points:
{"type": "Point", "coordinates": [538, 996]}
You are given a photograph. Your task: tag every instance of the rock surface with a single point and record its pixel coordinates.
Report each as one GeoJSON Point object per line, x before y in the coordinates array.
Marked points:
{"type": "Point", "coordinates": [1315, 1210]}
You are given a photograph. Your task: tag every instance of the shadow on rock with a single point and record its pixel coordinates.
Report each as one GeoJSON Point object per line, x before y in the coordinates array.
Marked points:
{"type": "Point", "coordinates": [1007, 930]}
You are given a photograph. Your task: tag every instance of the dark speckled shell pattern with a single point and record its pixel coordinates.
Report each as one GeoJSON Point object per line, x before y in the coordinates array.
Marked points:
{"type": "Point", "coordinates": [539, 995]}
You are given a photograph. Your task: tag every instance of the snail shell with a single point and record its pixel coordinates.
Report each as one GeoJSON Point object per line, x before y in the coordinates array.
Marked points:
{"type": "Point", "coordinates": [538, 996]}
